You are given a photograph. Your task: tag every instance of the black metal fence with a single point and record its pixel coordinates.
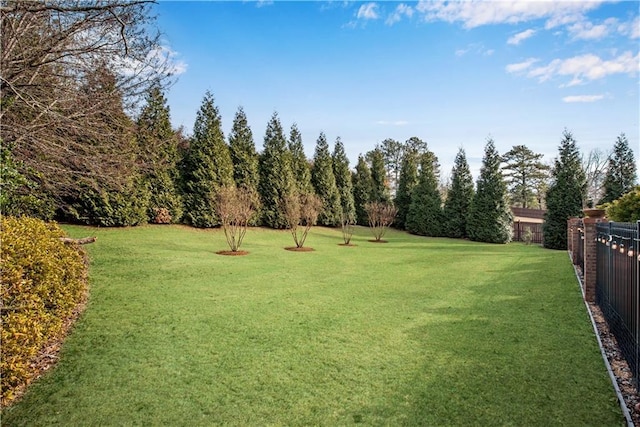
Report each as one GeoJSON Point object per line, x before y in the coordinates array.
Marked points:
{"type": "Point", "coordinates": [580, 249]}
{"type": "Point", "coordinates": [617, 286]}
{"type": "Point", "coordinates": [530, 232]}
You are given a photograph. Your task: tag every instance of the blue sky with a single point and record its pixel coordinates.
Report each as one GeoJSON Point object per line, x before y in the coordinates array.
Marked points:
{"type": "Point", "coordinates": [450, 73]}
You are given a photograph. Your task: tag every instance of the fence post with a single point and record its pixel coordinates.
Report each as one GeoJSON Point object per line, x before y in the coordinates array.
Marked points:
{"type": "Point", "coordinates": [590, 261]}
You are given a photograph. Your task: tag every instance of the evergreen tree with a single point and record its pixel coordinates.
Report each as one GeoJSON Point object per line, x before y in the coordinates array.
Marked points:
{"type": "Point", "coordinates": [621, 171]}
{"type": "Point", "coordinates": [490, 218]}
{"type": "Point", "coordinates": [343, 181]}
{"type": "Point", "coordinates": [207, 166]}
{"type": "Point", "coordinates": [362, 186]}
{"type": "Point", "coordinates": [324, 183]}
{"type": "Point", "coordinates": [243, 153]}
{"type": "Point", "coordinates": [276, 178]}
{"type": "Point", "coordinates": [425, 211]}
{"type": "Point", "coordinates": [379, 188]}
{"type": "Point", "coordinates": [299, 164]}
{"type": "Point", "coordinates": [525, 173]}
{"type": "Point", "coordinates": [565, 194]}
{"type": "Point", "coordinates": [406, 184]}
{"type": "Point", "coordinates": [392, 153]}
{"type": "Point", "coordinates": [158, 155]}
{"type": "Point", "coordinates": [459, 198]}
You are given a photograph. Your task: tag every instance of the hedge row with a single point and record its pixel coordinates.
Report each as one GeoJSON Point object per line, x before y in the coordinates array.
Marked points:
{"type": "Point", "coordinates": [43, 281]}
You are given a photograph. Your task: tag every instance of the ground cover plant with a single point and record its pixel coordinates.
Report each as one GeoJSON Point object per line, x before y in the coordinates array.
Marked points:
{"type": "Point", "coordinates": [420, 331]}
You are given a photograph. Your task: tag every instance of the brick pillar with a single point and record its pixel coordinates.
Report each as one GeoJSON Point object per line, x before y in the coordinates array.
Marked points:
{"type": "Point", "coordinates": [590, 247]}
{"type": "Point", "coordinates": [573, 237]}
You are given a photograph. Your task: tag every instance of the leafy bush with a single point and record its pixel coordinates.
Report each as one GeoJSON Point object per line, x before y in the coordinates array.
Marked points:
{"type": "Point", "coordinates": [43, 280]}
{"type": "Point", "coordinates": [626, 208]}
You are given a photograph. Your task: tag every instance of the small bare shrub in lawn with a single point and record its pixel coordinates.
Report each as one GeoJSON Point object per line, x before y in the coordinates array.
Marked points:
{"type": "Point", "coordinates": [527, 236]}
{"type": "Point", "coordinates": [348, 222]}
{"type": "Point", "coordinates": [236, 207]}
{"type": "Point", "coordinates": [380, 216]}
{"type": "Point", "coordinates": [301, 213]}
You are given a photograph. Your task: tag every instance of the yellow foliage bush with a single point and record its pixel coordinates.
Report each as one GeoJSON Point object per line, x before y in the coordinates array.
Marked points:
{"type": "Point", "coordinates": [43, 281]}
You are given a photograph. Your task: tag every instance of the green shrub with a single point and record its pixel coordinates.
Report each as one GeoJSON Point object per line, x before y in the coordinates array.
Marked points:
{"type": "Point", "coordinates": [43, 281]}
{"type": "Point", "coordinates": [626, 208]}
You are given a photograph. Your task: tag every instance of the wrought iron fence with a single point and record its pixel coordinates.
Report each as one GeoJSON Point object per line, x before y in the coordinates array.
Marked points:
{"type": "Point", "coordinates": [617, 286]}
{"type": "Point", "coordinates": [530, 232]}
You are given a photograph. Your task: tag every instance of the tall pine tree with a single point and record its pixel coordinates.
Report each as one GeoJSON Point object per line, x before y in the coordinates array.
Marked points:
{"type": "Point", "coordinates": [407, 182]}
{"type": "Point", "coordinates": [565, 194]}
{"type": "Point", "coordinates": [276, 179]}
{"type": "Point", "coordinates": [379, 188]}
{"type": "Point", "coordinates": [343, 181]}
{"type": "Point", "coordinates": [299, 164]}
{"type": "Point", "coordinates": [425, 211]}
{"type": "Point", "coordinates": [459, 198]}
{"type": "Point", "coordinates": [621, 171]}
{"type": "Point", "coordinates": [244, 156]}
{"type": "Point", "coordinates": [324, 182]}
{"type": "Point", "coordinates": [158, 156]}
{"type": "Point", "coordinates": [207, 166]}
{"type": "Point", "coordinates": [490, 218]}
{"type": "Point", "coordinates": [524, 174]}
{"type": "Point", "coordinates": [362, 186]}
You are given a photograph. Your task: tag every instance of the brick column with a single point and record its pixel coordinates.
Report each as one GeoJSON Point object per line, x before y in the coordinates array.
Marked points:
{"type": "Point", "coordinates": [590, 247]}
{"type": "Point", "coordinates": [573, 237]}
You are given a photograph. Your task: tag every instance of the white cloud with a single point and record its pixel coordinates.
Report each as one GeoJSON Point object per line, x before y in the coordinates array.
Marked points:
{"type": "Point", "coordinates": [261, 3]}
{"type": "Point", "coordinates": [368, 11]}
{"type": "Point", "coordinates": [587, 67]}
{"type": "Point", "coordinates": [585, 30]}
{"type": "Point", "coordinates": [583, 98]}
{"type": "Point", "coordinates": [521, 66]}
{"type": "Point", "coordinates": [517, 38]}
{"type": "Point", "coordinates": [475, 13]}
{"type": "Point", "coordinates": [631, 29]}
{"type": "Point", "coordinates": [397, 15]}
{"type": "Point", "coordinates": [162, 59]}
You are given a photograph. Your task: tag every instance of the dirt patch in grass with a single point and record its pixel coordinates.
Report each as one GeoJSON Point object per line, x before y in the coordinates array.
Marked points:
{"type": "Point", "coordinates": [346, 244]}
{"type": "Point", "coordinates": [232, 253]}
{"type": "Point", "coordinates": [297, 249]}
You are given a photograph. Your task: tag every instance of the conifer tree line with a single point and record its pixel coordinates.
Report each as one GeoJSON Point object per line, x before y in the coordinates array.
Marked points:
{"type": "Point", "coordinates": [172, 178]}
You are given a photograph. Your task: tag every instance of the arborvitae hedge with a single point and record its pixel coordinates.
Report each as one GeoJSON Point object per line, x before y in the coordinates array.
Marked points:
{"type": "Point", "coordinates": [425, 211]}
{"type": "Point", "coordinates": [459, 198]}
{"type": "Point", "coordinates": [406, 184]}
{"type": "Point", "coordinates": [343, 181]}
{"type": "Point", "coordinates": [43, 281]}
{"type": "Point", "coordinates": [362, 190]}
{"type": "Point", "coordinates": [324, 183]}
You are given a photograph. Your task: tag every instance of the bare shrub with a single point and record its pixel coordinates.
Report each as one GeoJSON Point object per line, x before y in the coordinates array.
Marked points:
{"type": "Point", "coordinates": [347, 222]}
{"type": "Point", "coordinates": [236, 207]}
{"type": "Point", "coordinates": [301, 213]}
{"type": "Point", "coordinates": [380, 216]}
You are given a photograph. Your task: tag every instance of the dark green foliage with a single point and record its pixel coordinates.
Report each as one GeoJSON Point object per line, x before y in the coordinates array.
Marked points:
{"type": "Point", "coordinates": [392, 152]}
{"type": "Point", "coordinates": [158, 156]}
{"type": "Point", "coordinates": [490, 218]}
{"type": "Point", "coordinates": [362, 186]}
{"type": "Point", "coordinates": [207, 166]}
{"type": "Point", "coordinates": [343, 181]}
{"type": "Point", "coordinates": [299, 163]}
{"type": "Point", "coordinates": [565, 194]}
{"type": "Point", "coordinates": [20, 195]}
{"type": "Point", "coordinates": [525, 174]}
{"type": "Point", "coordinates": [276, 178]}
{"type": "Point", "coordinates": [459, 198]}
{"type": "Point", "coordinates": [425, 211]}
{"type": "Point", "coordinates": [626, 208]}
{"type": "Point", "coordinates": [324, 183]}
{"type": "Point", "coordinates": [406, 183]}
{"type": "Point", "coordinates": [123, 207]}
{"type": "Point", "coordinates": [379, 187]}
{"type": "Point", "coordinates": [244, 156]}
{"type": "Point", "coordinates": [621, 171]}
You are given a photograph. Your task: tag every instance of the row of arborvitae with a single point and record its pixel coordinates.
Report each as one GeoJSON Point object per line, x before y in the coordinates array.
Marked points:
{"type": "Point", "coordinates": [43, 283]}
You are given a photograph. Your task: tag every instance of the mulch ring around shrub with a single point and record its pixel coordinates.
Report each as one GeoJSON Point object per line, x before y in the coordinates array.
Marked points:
{"type": "Point", "coordinates": [378, 241]}
{"type": "Point", "coordinates": [233, 253]}
{"type": "Point", "coordinates": [297, 249]}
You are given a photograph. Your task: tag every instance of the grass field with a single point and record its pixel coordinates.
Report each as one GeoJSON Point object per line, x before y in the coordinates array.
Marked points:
{"type": "Point", "coordinates": [417, 331]}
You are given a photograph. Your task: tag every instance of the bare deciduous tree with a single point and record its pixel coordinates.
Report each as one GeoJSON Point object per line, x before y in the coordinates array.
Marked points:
{"type": "Point", "coordinates": [595, 169]}
{"type": "Point", "coordinates": [50, 53]}
{"type": "Point", "coordinates": [236, 207]}
{"type": "Point", "coordinates": [301, 213]}
{"type": "Point", "coordinates": [348, 223]}
{"type": "Point", "coordinates": [381, 216]}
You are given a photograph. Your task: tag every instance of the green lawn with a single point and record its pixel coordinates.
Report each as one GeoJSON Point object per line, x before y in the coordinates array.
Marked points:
{"type": "Point", "coordinates": [417, 331]}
